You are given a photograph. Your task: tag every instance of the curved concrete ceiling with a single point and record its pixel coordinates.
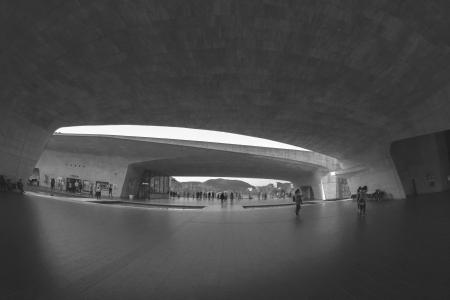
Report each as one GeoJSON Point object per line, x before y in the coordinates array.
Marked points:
{"type": "Point", "coordinates": [310, 73]}
{"type": "Point", "coordinates": [343, 78]}
{"type": "Point", "coordinates": [191, 158]}
{"type": "Point", "coordinates": [231, 165]}
{"type": "Point", "coordinates": [141, 148]}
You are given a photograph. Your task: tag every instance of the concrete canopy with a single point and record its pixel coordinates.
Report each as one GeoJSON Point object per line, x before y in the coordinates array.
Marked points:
{"type": "Point", "coordinates": [119, 159]}
{"type": "Point", "coordinates": [342, 78]}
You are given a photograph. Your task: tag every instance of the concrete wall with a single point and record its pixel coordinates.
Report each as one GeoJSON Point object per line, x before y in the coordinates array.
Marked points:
{"type": "Point", "coordinates": [329, 185]}
{"type": "Point", "coordinates": [423, 160]}
{"type": "Point", "coordinates": [375, 169]}
{"type": "Point", "coordinates": [21, 144]}
{"type": "Point", "coordinates": [84, 166]}
{"type": "Point", "coordinates": [132, 180]}
{"type": "Point", "coordinates": [314, 181]}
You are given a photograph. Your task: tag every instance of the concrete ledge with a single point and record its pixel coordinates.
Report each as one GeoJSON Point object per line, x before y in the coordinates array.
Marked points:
{"type": "Point", "coordinates": [275, 204]}
{"type": "Point", "coordinates": [267, 205]}
{"type": "Point", "coordinates": [112, 202]}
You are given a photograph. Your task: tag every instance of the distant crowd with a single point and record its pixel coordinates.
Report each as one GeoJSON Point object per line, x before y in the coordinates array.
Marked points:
{"type": "Point", "coordinates": [224, 196]}
{"type": "Point", "coordinates": [207, 195]}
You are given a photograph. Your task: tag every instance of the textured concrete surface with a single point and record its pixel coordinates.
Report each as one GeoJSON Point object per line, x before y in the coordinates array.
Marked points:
{"type": "Point", "coordinates": [53, 249]}
{"type": "Point", "coordinates": [118, 160]}
{"type": "Point", "coordinates": [343, 78]}
{"type": "Point", "coordinates": [423, 163]}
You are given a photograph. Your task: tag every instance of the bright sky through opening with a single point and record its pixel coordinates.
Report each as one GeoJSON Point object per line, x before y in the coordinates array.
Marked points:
{"type": "Point", "coordinates": [178, 133]}
{"type": "Point", "coordinates": [251, 181]}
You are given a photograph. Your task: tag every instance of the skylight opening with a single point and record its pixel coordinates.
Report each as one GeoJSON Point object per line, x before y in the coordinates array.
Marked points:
{"type": "Point", "coordinates": [177, 133]}
{"type": "Point", "coordinates": [251, 181]}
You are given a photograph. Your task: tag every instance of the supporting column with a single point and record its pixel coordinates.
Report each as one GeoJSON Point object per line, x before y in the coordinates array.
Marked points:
{"type": "Point", "coordinates": [313, 180]}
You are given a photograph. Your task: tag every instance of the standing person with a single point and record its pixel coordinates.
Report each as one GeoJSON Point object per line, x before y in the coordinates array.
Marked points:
{"type": "Point", "coordinates": [298, 200]}
{"type": "Point", "coordinates": [231, 196]}
{"type": "Point", "coordinates": [98, 192]}
{"type": "Point", "coordinates": [75, 186]}
{"type": "Point", "coordinates": [91, 191]}
{"type": "Point", "coordinates": [222, 197]}
{"type": "Point", "coordinates": [110, 188]}
{"type": "Point", "coordinates": [52, 185]}
{"type": "Point", "coordinates": [358, 197]}
{"type": "Point", "coordinates": [362, 201]}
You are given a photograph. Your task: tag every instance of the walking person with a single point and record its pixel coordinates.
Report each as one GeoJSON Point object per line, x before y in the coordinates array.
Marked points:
{"type": "Point", "coordinates": [358, 197]}
{"type": "Point", "coordinates": [110, 188]}
{"type": "Point", "coordinates": [98, 192]}
{"type": "Point", "coordinates": [298, 200]}
{"type": "Point", "coordinates": [91, 191]}
{"type": "Point", "coordinates": [52, 185]}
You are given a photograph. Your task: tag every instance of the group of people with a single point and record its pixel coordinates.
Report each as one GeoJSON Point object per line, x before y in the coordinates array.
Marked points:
{"type": "Point", "coordinates": [208, 195]}
{"type": "Point", "coordinates": [74, 187]}
{"type": "Point", "coordinates": [77, 187]}
{"type": "Point", "coordinates": [361, 198]}
{"type": "Point", "coordinates": [98, 191]}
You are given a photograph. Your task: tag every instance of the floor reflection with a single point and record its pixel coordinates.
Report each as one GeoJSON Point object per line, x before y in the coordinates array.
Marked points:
{"type": "Point", "coordinates": [54, 249]}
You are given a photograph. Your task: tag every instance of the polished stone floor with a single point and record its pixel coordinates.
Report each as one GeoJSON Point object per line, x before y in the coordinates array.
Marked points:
{"type": "Point", "coordinates": [60, 249]}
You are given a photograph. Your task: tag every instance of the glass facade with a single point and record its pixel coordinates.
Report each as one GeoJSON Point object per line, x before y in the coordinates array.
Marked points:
{"type": "Point", "coordinates": [153, 183]}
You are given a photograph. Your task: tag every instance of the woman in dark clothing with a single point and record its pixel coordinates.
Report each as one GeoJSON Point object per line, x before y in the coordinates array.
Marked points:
{"type": "Point", "coordinates": [298, 200]}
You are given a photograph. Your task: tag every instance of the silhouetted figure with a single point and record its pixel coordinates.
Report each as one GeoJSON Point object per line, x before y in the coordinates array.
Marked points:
{"type": "Point", "coordinates": [298, 200]}
{"type": "Point", "coordinates": [362, 200]}
{"type": "Point", "coordinates": [91, 191]}
{"type": "Point", "coordinates": [52, 185]}
{"type": "Point", "coordinates": [110, 188]}
{"type": "Point", "coordinates": [378, 195]}
{"type": "Point", "coordinates": [358, 196]}
{"type": "Point", "coordinates": [222, 197]}
{"type": "Point", "coordinates": [20, 186]}
{"type": "Point", "coordinates": [98, 192]}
